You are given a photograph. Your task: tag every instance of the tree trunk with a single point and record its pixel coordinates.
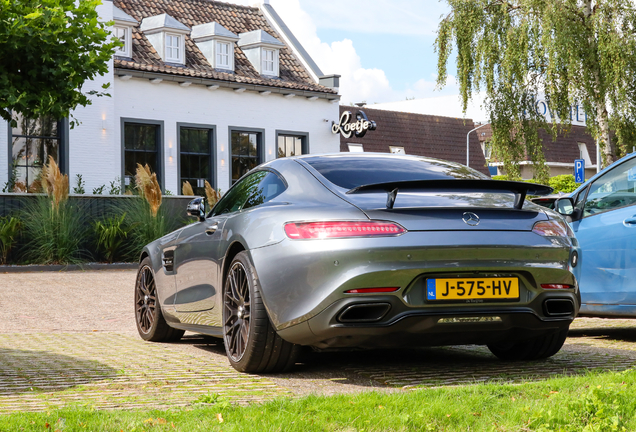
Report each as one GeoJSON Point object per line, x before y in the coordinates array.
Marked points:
{"type": "Point", "coordinates": [602, 116]}
{"type": "Point", "coordinates": [608, 147]}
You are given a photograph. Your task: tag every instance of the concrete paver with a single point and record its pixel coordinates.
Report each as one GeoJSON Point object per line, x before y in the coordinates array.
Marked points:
{"type": "Point", "coordinates": [69, 338]}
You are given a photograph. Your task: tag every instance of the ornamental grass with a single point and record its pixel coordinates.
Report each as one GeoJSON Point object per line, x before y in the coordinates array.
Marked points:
{"type": "Point", "coordinates": [54, 228]}
{"type": "Point", "coordinates": [211, 194]}
{"type": "Point", "coordinates": [148, 186]}
{"type": "Point", "coordinates": [187, 189]}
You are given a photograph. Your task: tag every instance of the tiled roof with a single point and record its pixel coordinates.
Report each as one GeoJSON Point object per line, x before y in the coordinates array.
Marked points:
{"type": "Point", "coordinates": [419, 134]}
{"type": "Point", "coordinates": [565, 149]}
{"type": "Point", "coordinates": [235, 18]}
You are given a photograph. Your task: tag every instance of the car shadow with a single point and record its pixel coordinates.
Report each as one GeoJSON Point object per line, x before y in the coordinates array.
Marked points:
{"type": "Point", "coordinates": [436, 366]}
{"type": "Point", "coordinates": [625, 334]}
{"type": "Point", "coordinates": [25, 371]}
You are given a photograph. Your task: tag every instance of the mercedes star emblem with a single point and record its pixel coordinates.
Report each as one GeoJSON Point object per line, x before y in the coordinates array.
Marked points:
{"type": "Point", "coordinates": [470, 218]}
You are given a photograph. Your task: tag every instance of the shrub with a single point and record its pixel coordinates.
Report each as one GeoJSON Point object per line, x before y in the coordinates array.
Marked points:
{"type": "Point", "coordinates": [563, 183]}
{"type": "Point", "coordinates": [9, 231]}
{"type": "Point", "coordinates": [110, 235]}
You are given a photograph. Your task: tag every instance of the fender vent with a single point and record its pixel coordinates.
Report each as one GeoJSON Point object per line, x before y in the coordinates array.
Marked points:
{"type": "Point", "coordinates": [368, 312]}
{"type": "Point", "coordinates": [168, 260]}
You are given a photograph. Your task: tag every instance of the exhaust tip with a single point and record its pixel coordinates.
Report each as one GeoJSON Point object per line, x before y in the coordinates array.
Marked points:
{"type": "Point", "coordinates": [364, 312]}
{"type": "Point", "coordinates": [558, 307]}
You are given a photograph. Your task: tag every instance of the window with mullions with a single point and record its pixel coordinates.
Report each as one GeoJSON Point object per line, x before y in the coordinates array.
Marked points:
{"type": "Point", "coordinates": [195, 157]}
{"type": "Point", "coordinates": [141, 142]}
{"type": "Point", "coordinates": [245, 153]}
{"type": "Point", "coordinates": [32, 142]}
{"type": "Point", "coordinates": [290, 145]}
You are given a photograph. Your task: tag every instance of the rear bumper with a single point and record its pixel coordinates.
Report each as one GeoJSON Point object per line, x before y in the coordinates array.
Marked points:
{"type": "Point", "coordinates": [406, 326]}
{"type": "Point", "coordinates": [301, 280]}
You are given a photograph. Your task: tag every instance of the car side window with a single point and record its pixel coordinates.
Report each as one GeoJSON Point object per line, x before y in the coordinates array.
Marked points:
{"type": "Point", "coordinates": [269, 188]}
{"type": "Point", "coordinates": [236, 197]}
{"type": "Point", "coordinates": [613, 190]}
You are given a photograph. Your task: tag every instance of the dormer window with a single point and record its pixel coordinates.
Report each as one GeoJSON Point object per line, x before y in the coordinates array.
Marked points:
{"type": "Point", "coordinates": [223, 55]}
{"type": "Point", "coordinates": [262, 50]}
{"type": "Point", "coordinates": [174, 48]}
{"type": "Point", "coordinates": [167, 36]}
{"type": "Point", "coordinates": [122, 30]}
{"type": "Point", "coordinates": [216, 44]}
{"type": "Point", "coordinates": [269, 62]}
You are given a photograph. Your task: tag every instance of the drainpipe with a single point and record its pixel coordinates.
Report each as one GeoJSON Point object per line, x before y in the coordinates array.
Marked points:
{"type": "Point", "coordinates": [468, 143]}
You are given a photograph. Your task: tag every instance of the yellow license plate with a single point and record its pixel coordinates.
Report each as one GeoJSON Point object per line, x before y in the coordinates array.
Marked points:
{"type": "Point", "coordinates": [472, 289]}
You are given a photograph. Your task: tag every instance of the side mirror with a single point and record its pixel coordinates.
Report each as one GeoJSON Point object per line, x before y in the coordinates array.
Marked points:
{"type": "Point", "coordinates": [196, 208]}
{"type": "Point", "coordinates": [565, 206]}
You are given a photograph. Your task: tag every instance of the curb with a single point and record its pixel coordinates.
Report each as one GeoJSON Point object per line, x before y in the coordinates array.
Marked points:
{"type": "Point", "coordinates": [66, 267]}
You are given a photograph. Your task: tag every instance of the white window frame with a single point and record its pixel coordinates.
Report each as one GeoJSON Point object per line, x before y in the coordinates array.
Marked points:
{"type": "Point", "coordinates": [355, 148]}
{"type": "Point", "coordinates": [274, 62]}
{"type": "Point", "coordinates": [397, 150]}
{"type": "Point", "coordinates": [124, 51]}
{"type": "Point", "coordinates": [180, 48]}
{"type": "Point", "coordinates": [218, 54]}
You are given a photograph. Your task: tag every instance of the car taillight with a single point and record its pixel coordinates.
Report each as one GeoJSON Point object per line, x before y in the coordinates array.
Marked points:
{"type": "Point", "coordinates": [341, 229]}
{"type": "Point", "coordinates": [556, 286]}
{"type": "Point", "coordinates": [372, 290]}
{"type": "Point", "coordinates": [552, 228]}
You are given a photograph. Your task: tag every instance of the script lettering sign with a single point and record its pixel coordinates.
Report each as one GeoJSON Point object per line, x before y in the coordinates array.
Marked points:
{"type": "Point", "coordinates": [358, 128]}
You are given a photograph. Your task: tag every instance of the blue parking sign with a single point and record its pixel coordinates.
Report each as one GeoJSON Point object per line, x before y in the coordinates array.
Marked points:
{"type": "Point", "coordinates": [579, 170]}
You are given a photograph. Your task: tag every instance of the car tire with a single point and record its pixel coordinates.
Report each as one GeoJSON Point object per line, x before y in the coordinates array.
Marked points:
{"type": "Point", "coordinates": [537, 348]}
{"type": "Point", "coordinates": [151, 324]}
{"type": "Point", "coordinates": [251, 342]}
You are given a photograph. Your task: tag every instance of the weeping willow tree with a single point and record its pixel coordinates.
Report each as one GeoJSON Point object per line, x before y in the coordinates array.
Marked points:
{"type": "Point", "coordinates": [575, 52]}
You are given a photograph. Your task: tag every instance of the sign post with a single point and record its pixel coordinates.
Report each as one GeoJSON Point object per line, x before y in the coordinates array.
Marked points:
{"type": "Point", "coordinates": [579, 170]}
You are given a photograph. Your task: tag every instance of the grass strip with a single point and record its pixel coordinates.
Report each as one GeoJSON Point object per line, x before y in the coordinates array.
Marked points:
{"type": "Point", "coordinates": [591, 402]}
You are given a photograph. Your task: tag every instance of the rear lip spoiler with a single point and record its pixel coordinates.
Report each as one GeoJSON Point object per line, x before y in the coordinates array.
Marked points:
{"type": "Point", "coordinates": [520, 189]}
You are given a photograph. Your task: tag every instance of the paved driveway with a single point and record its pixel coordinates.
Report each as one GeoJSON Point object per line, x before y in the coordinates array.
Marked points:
{"type": "Point", "coordinates": [70, 338]}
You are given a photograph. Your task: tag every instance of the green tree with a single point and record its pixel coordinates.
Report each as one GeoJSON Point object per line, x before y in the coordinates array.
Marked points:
{"type": "Point", "coordinates": [48, 49]}
{"type": "Point", "coordinates": [573, 51]}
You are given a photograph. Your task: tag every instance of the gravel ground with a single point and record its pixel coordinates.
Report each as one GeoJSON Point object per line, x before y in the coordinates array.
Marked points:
{"type": "Point", "coordinates": [70, 337]}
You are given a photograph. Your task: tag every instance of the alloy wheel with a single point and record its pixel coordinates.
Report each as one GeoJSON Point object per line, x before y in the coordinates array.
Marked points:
{"type": "Point", "coordinates": [236, 303]}
{"type": "Point", "coordinates": [145, 299]}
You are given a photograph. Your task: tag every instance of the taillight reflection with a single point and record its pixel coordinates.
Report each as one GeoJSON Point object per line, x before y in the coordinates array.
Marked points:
{"type": "Point", "coordinates": [556, 286]}
{"type": "Point", "coordinates": [342, 229]}
{"type": "Point", "coordinates": [552, 228]}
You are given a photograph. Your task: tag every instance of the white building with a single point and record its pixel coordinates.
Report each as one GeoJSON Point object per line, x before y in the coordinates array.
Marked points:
{"type": "Point", "coordinates": [200, 91]}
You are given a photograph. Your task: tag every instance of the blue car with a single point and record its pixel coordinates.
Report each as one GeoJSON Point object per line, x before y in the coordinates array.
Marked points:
{"type": "Point", "coordinates": [602, 213]}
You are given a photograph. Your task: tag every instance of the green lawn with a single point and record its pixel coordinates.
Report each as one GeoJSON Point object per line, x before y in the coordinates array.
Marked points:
{"type": "Point", "coordinates": [594, 402]}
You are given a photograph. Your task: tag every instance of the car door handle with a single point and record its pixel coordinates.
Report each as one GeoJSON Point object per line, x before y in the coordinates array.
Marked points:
{"type": "Point", "coordinates": [630, 222]}
{"type": "Point", "coordinates": [212, 229]}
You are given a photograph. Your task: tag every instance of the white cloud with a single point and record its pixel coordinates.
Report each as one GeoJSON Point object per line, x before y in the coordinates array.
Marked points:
{"type": "Point", "coordinates": [359, 84]}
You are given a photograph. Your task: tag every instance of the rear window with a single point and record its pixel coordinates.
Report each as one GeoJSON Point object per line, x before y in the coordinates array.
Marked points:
{"type": "Point", "coordinates": [349, 172]}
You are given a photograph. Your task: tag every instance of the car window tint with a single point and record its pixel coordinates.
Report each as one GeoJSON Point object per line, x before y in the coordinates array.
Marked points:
{"type": "Point", "coordinates": [350, 172]}
{"type": "Point", "coordinates": [615, 189]}
{"type": "Point", "coordinates": [269, 188]}
{"type": "Point", "coordinates": [239, 193]}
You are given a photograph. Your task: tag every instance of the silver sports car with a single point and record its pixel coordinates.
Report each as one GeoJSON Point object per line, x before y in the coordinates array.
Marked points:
{"type": "Point", "coordinates": [364, 251]}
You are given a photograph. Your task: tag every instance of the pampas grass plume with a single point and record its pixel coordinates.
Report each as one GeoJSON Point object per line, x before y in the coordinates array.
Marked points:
{"type": "Point", "coordinates": [187, 189]}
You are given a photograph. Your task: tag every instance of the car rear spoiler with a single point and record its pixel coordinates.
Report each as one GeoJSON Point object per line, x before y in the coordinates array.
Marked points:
{"type": "Point", "coordinates": [520, 189]}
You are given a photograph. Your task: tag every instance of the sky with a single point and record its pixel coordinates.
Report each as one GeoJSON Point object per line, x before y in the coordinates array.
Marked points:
{"type": "Point", "coordinates": [383, 49]}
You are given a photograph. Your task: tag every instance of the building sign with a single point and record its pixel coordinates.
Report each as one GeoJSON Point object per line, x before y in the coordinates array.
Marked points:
{"type": "Point", "coordinates": [348, 128]}
{"type": "Point", "coordinates": [578, 117]}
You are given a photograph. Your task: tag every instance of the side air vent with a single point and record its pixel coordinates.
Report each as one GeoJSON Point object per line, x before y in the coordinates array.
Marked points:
{"type": "Point", "coordinates": [168, 260]}
{"type": "Point", "coordinates": [558, 307]}
{"type": "Point", "coordinates": [368, 312]}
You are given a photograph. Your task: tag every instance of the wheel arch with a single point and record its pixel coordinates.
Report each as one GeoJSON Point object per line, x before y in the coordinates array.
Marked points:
{"type": "Point", "coordinates": [234, 249]}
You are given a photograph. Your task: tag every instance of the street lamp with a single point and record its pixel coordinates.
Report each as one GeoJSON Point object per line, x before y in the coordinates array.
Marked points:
{"type": "Point", "coordinates": [468, 143]}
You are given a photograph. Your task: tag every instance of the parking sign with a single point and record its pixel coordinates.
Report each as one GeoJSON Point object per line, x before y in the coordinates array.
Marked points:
{"type": "Point", "coordinates": [579, 170]}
